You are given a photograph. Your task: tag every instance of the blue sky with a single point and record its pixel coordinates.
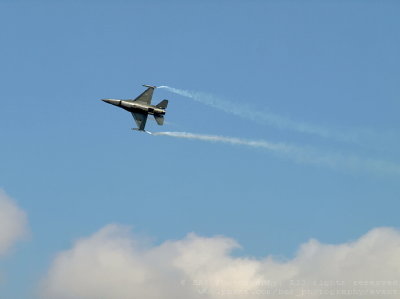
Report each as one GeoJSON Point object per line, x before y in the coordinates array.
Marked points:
{"type": "Point", "coordinates": [73, 165]}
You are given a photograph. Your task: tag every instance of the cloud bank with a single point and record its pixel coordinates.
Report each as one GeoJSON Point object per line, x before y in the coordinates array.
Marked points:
{"type": "Point", "coordinates": [113, 264]}
{"type": "Point", "coordinates": [13, 223]}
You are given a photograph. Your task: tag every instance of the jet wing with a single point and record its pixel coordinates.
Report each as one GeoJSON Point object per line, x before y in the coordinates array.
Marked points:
{"type": "Point", "coordinates": [146, 96]}
{"type": "Point", "coordinates": [140, 120]}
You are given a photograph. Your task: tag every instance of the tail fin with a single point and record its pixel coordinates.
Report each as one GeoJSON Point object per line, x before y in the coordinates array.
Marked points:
{"type": "Point", "coordinates": [159, 119]}
{"type": "Point", "coordinates": [163, 104]}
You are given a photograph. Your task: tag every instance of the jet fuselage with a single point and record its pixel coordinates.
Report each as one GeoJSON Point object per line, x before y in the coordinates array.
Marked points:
{"type": "Point", "coordinates": [135, 106]}
{"type": "Point", "coordinates": [141, 107]}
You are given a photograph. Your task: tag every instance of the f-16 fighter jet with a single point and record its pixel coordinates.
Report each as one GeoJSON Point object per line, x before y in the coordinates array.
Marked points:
{"type": "Point", "coordinates": [141, 107]}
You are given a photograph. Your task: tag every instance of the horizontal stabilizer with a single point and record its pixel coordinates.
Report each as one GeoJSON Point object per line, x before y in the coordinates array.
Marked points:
{"type": "Point", "coordinates": [163, 104]}
{"type": "Point", "coordinates": [159, 119]}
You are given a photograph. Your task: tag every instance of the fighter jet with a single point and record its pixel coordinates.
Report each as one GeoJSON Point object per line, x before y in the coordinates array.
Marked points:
{"type": "Point", "coordinates": [141, 107]}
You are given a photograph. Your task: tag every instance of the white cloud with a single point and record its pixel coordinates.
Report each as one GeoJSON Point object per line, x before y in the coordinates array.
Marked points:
{"type": "Point", "coordinates": [112, 264]}
{"type": "Point", "coordinates": [13, 223]}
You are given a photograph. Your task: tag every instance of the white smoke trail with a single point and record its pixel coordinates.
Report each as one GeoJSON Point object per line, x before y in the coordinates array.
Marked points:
{"type": "Point", "coordinates": [263, 117]}
{"type": "Point", "coordinates": [301, 154]}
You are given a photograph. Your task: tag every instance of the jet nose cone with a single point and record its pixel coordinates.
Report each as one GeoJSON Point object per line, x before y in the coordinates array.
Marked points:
{"type": "Point", "coordinates": [111, 101]}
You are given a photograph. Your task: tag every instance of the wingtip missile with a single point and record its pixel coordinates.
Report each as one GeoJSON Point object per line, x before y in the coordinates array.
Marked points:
{"type": "Point", "coordinates": [149, 86]}
{"type": "Point", "coordinates": [145, 131]}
